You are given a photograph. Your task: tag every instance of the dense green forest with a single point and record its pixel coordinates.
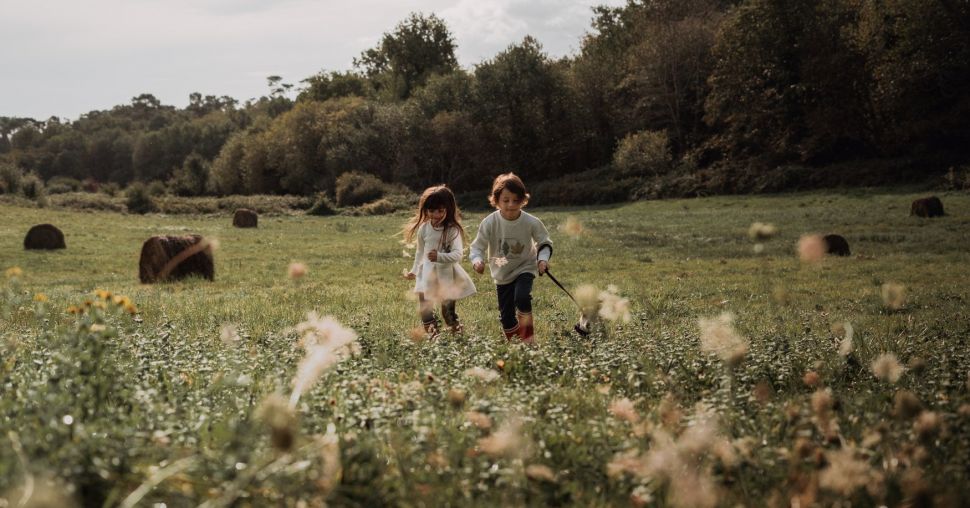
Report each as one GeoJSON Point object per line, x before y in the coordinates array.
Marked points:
{"type": "Point", "coordinates": [664, 97]}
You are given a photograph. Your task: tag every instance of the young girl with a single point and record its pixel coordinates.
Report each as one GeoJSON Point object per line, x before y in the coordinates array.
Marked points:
{"type": "Point", "coordinates": [517, 247]}
{"type": "Point", "coordinates": [439, 276]}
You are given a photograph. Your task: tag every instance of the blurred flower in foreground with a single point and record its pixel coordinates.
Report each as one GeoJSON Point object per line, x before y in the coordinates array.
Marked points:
{"type": "Point", "coordinates": [811, 248]}
{"type": "Point", "coordinates": [718, 336]}
{"type": "Point", "coordinates": [13, 271]}
{"type": "Point", "coordinates": [887, 368]}
{"type": "Point", "coordinates": [846, 473]}
{"type": "Point", "coordinates": [588, 297]}
{"type": "Point", "coordinates": [612, 307]}
{"type": "Point", "coordinates": [479, 420]}
{"type": "Point", "coordinates": [326, 342]}
{"type": "Point", "coordinates": [623, 409]}
{"type": "Point", "coordinates": [506, 441]}
{"type": "Point", "coordinates": [761, 231]}
{"type": "Point", "coordinates": [893, 295]}
{"type": "Point", "coordinates": [483, 374]}
{"type": "Point", "coordinates": [571, 227]}
{"type": "Point", "coordinates": [540, 472]}
{"type": "Point", "coordinates": [296, 271]}
{"type": "Point", "coordinates": [280, 419]}
{"type": "Point", "coordinates": [845, 329]}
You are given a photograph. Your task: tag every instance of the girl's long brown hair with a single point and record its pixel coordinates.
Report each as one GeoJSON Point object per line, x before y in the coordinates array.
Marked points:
{"type": "Point", "coordinates": [433, 198]}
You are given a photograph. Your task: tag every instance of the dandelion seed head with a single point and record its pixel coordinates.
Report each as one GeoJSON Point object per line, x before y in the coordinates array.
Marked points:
{"type": "Point", "coordinates": [482, 374]}
{"type": "Point", "coordinates": [571, 227]}
{"type": "Point", "coordinates": [893, 295]}
{"type": "Point", "coordinates": [760, 231]}
{"type": "Point", "coordinates": [506, 441]}
{"type": "Point", "coordinates": [718, 336]}
{"type": "Point", "coordinates": [623, 409]}
{"type": "Point", "coordinates": [296, 270]}
{"type": "Point", "coordinates": [479, 420]}
{"type": "Point", "coordinates": [229, 335]}
{"type": "Point", "coordinates": [887, 368]}
{"type": "Point", "coordinates": [540, 472]}
{"type": "Point", "coordinates": [845, 473]}
{"type": "Point", "coordinates": [811, 248]}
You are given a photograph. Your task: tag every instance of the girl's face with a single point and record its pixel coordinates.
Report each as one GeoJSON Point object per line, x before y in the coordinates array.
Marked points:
{"type": "Point", "coordinates": [509, 205]}
{"type": "Point", "coordinates": [437, 215]}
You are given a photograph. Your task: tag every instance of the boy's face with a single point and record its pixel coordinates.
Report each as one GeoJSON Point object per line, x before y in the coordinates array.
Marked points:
{"type": "Point", "coordinates": [437, 215]}
{"type": "Point", "coordinates": [509, 205]}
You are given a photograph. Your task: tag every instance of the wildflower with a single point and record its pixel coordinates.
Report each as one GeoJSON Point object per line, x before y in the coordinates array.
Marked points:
{"type": "Point", "coordinates": [332, 468]}
{"type": "Point", "coordinates": [571, 227]}
{"type": "Point", "coordinates": [317, 360]}
{"type": "Point", "coordinates": [479, 420]}
{"type": "Point", "coordinates": [13, 271]}
{"type": "Point", "coordinates": [758, 248]}
{"type": "Point", "coordinates": [103, 294]}
{"type": "Point", "coordinates": [296, 271]}
{"type": "Point", "coordinates": [893, 295]}
{"type": "Point", "coordinates": [846, 473]}
{"type": "Point", "coordinates": [811, 248]}
{"type": "Point", "coordinates": [97, 328]}
{"type": "Point", "coordinates": [588, 298]}
{"type": "Point", "coordinates": [131, 309]}
{"type": "Point", "coordinates": [486, 375]}
{"type": "Point", "coordinates": [927, 425]}
{"type": "Point", "coordinates": [456, 397]}
{"type": "Point", "coordinates": [845, 345]}
{"type": "Point", "coordinates": [540, 472]}
{"type": "Point", "coordinates": [40, 297]}
{"type": "Point", "coordinates": [906, 404]}
{"type": "Point", "coordinates": [761, 231]}
{"type": "Point", "coordinates": [326, 331]}
{"type": "Point", "coordinates": [229, 335]}
{"type": "Point", "coordinates": [612, 307]}
{"type": "Point", "coordinates": [280, 419]}
{"type": "Point", "coordinates": [624, 410]}
{"type": "Point", "coordinates": [811, 378]}
{"type": "Point", "coordinates": [74, 309]}
{"type": "Point", "coordinates": [718, 336]}
{"type": "Point", "coordinates": [887, 368]}
{"type": "Point", "coordinates": [505, 441]}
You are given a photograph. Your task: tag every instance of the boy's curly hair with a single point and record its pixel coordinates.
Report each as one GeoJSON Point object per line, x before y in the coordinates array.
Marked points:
{"type": "Point", "coordinates": [509, 181]}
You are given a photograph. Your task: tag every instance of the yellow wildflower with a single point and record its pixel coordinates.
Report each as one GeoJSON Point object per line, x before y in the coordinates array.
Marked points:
{"type": "Point", "coordinates": [74, 309]}
{"type": "Point", "coordinates": [40, 297]}
{"type": "Point", "coordinates": [103, 294]}
{"type": "Point", "coordinates": [13, 271]}
{"type": "Point", "coordinates": [130, 308]}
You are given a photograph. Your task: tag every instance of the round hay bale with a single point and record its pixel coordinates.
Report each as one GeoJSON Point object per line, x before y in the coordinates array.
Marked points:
{"type": "Point", "coordinates": [245, 218]}
{"type": "Point", "coordinates": [927, 207]}
{"type": "Point", "coordinates": [175, 257]}
{"type": "Point", "coordinates": [836, 245]}
{"type": "Point", "coordinates": [45, 237]}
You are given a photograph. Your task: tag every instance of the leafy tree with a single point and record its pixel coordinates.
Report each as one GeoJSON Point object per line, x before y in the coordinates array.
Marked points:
{"type": "Point", "coordinates": [328, 85]}
{"type": "Point", "coordinates": [192, 179]}
{"type": "Point", "coordinates": [419, 47]}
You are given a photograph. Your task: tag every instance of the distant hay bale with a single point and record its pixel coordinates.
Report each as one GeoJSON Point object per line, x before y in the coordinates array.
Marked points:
{"type": "Point", "coordinates": [175, 257]}
{"type": "Point", "coordinates": [245, 218]}
{"type": "Point", "coordinates": [836, 245]}
{"type": "Point", "coordinates": [44, 237]}
{"type": "Point", "coordinates": [927, 207]}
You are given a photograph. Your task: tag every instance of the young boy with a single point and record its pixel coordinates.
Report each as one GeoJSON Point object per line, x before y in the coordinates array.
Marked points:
{"type": "Point", "coordinates": [517, 247]}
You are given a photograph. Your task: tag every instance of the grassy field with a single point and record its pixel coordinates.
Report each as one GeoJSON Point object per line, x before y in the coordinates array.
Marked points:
{"type": "Point", "coordinates": [186, 401]}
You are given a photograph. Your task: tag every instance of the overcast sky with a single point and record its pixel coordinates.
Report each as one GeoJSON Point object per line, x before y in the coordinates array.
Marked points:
{"type": "Point", "coordinates": [67, 57]}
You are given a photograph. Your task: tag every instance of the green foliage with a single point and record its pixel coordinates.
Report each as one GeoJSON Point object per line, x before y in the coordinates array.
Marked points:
{"type": "Point", "coordinates": [62, 184]}
{"type": "Point", "coordinates": [354, 188]}
{"type": "Point", "coordinates": [192, 179]}
{"type": "Point", "coordinates": [138, 198]}
{"type": "Point", "coordinates": [32, 186]}
{"type": "Point", "coordinates": [322, 206]}
{"type": "Point", "coordinates": [645, 153]}
{"type": "Point", "coordinates": [11, 179]}
{"type": "Point", "coordinates": [403, 434]}
{"type": "Point", "coordinates": [329, 85]}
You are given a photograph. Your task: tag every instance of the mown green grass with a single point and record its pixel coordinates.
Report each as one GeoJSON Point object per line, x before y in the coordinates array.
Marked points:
{"type": "Point", "coordinates": [402, 440]}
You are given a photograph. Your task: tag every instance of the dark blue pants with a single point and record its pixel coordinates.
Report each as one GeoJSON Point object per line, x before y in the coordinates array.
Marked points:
{"type": "Point", "coordinates": [516, 295]}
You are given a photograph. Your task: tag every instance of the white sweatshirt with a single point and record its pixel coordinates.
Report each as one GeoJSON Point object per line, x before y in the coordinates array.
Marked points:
{"type": "Point", "coordinates": [509, 246]}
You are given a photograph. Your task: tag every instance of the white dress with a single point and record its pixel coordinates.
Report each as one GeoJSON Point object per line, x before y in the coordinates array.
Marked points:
{"type": "Point", "coordinates": [443, 279]}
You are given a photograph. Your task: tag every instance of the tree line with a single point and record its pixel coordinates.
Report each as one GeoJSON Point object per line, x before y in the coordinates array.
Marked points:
{"type": "Point", "coordinates": [658, 87]}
